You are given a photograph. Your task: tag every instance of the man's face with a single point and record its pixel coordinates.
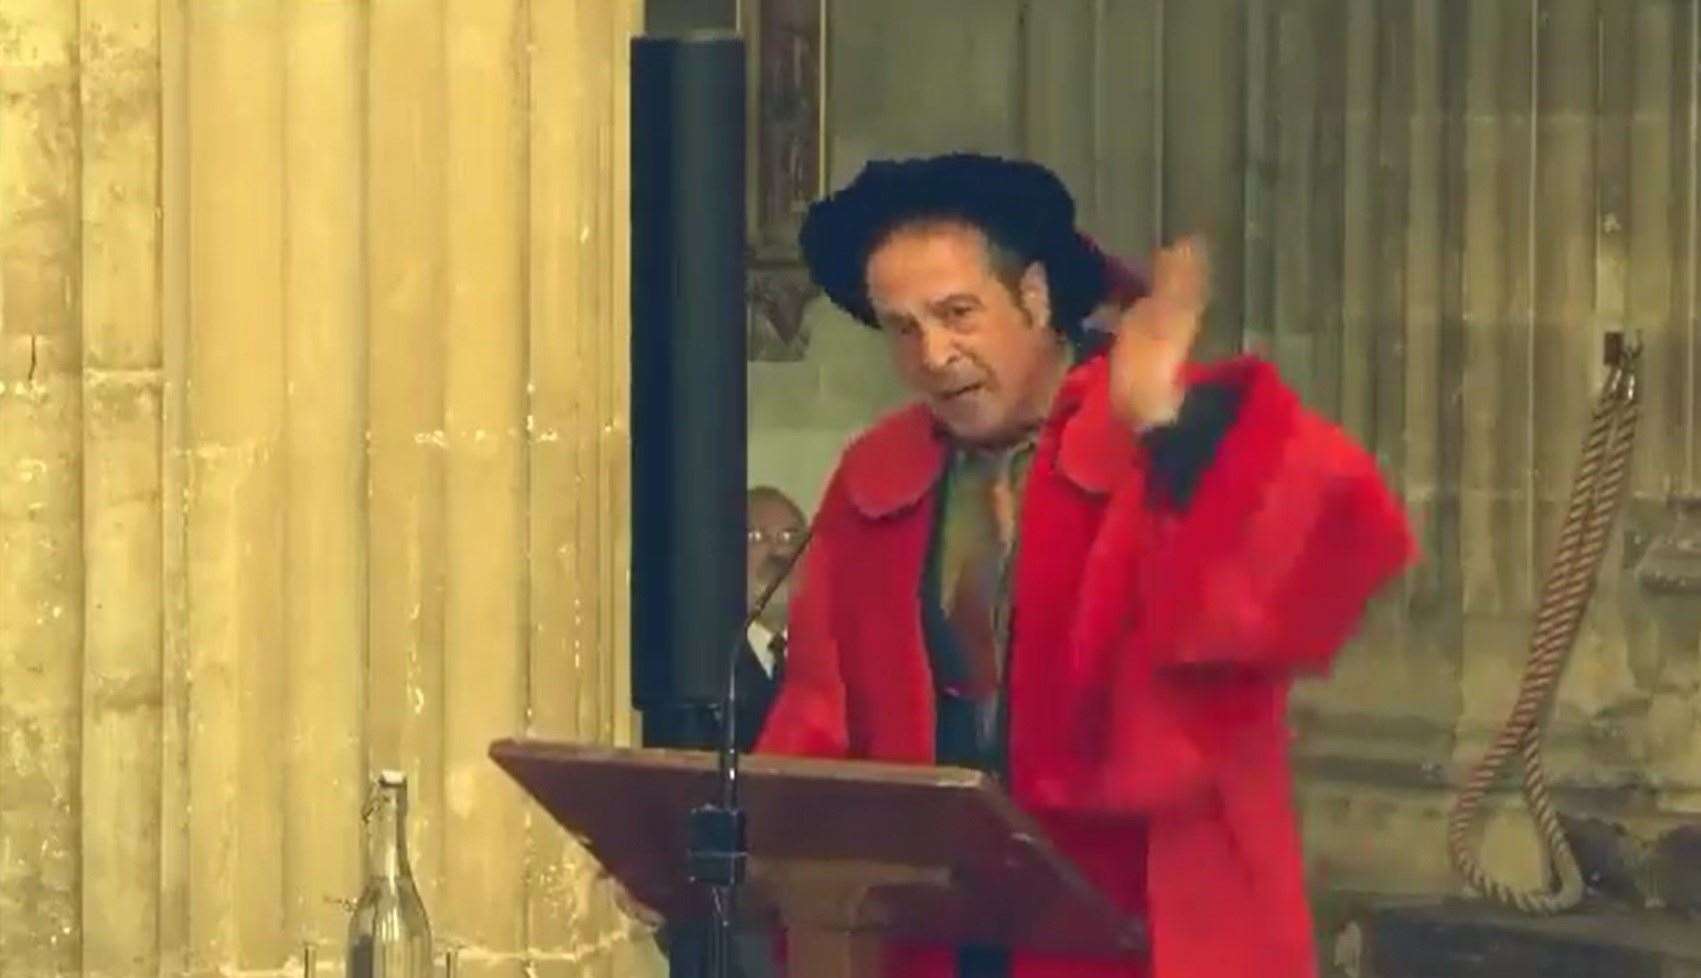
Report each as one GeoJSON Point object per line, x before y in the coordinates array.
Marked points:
{"type": "Point", "coordinates": [982, 356]}
{"type": "Point", "coordinates": [776, 529]}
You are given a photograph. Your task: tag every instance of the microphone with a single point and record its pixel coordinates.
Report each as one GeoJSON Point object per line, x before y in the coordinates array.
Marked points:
{"type": "Point", "coordinates": [718, 832]}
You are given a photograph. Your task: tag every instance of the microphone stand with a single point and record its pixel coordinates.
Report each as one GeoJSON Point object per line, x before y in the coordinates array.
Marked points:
{"type": "Point", "coordinates": [718, 849]}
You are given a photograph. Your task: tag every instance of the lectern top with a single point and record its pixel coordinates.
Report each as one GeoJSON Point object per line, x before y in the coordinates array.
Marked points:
{"type": "Point", "coordinates": [974, 868]}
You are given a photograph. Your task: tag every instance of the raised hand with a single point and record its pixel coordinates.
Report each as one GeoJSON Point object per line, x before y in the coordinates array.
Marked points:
{"type": "Point", "coordinates": [1156, 334]}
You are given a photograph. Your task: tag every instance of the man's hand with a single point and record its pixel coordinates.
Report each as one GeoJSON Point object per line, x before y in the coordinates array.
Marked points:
{"type": "Point", "coordinates": [1155, 335]}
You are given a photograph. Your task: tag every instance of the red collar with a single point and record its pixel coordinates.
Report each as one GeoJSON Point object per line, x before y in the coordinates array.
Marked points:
{"type": "Point", "coordinates": [897, 462]}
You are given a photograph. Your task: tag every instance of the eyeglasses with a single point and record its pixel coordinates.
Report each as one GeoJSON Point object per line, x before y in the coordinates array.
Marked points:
{"type": "Point", "coordinates": [785, 536]}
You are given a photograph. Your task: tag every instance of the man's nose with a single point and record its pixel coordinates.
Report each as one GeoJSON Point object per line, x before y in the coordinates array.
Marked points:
{"type": "Point", "coordinates": [938, 348]}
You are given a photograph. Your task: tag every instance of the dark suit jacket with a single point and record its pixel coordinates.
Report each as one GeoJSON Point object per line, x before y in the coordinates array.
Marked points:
{"type": "Point", "coordinates": [756, 691]}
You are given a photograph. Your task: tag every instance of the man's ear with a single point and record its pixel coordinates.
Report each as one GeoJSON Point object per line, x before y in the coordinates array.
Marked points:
{"type": "Point", "coordinates": [1034, 293]}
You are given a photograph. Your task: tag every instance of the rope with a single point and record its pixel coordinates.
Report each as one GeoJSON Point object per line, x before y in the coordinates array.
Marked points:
{"type": "Point", "coordinates": [1596, 495]}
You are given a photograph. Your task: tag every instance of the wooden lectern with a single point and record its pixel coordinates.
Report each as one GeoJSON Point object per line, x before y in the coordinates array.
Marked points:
{"type": "Point", "coordinates": [844, 854]}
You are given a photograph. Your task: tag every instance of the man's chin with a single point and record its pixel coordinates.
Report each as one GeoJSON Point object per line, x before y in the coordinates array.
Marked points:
{"type": "Point", "coordinates": [973, 430]}
{"type": "Point", "coordinates": [962, 423]}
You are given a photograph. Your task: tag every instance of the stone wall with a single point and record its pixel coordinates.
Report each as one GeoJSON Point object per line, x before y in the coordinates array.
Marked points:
{"type": "Point", "coordinates": [312, 461]}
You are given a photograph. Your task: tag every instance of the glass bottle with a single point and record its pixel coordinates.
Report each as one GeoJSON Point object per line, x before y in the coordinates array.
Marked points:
{"type": "Point", "coordinates": [388, 934]}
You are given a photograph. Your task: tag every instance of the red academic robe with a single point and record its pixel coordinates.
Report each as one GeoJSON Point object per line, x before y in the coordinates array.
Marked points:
{"type": "Point", "coordinates": [1151, 654]}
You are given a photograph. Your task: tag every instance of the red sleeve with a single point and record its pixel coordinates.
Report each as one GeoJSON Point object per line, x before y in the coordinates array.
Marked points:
{"type": "Point", "coordinates": [1266, 572]}
{"type": "Point", "coordinates": [1290, 533]}
{"type": "Point", "coordinates": [808, 716]}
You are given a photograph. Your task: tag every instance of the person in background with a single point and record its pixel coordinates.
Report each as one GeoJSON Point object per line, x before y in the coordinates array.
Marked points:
{"type": "Point", "coordinates": [776, 529]}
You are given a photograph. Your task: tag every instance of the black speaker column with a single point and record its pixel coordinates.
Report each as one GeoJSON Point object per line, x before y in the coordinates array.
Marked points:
{"type": "Point", "coordinates": [688, 378]}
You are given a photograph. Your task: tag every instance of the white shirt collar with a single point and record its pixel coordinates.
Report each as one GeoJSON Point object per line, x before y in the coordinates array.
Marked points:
{"type": "Point", "coordinates": [761, 637]}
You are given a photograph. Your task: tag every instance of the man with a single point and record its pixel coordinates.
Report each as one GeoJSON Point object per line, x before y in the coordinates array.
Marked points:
{"type": "Point", "coordinates": [776, 528]}
{"type": "Point", "coordinates": [1090, 571]}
